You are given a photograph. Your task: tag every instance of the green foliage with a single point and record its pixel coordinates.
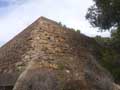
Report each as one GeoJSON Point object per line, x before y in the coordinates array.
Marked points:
{"type": "Point", "coordinates": [104, 14]}
{"type": "Point", "coordinates": [109, 61]}
{"type": "Point", "coordinates": [62, 25]}
{"type": "Point", "coordinates": [110, 58]}
{"type": "Point", "coordinates": [103, 41]}
{"type": "Point", "coordinates": [78, 30]}
{"type": "Point", "coordinates": [107, 58]}
{"type": "Point", "coordinates": [116, 39]}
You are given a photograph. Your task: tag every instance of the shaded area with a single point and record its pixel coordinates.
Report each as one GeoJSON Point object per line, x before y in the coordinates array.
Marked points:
{"type": "Point", "coordinates": [6, 87]}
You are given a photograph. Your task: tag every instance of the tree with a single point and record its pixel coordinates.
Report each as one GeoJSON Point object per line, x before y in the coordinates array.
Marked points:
{"type": "Point", "coordinates": [104, 14]}
{"type": "Point", "coordinates": [115, 39]}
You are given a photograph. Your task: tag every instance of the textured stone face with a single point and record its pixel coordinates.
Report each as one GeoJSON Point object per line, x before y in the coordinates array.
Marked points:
{"type": "Point", "coordinates": [49, 56]}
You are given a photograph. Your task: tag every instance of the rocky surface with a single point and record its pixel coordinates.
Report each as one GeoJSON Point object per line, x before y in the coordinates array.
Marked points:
{"type": "Point", "coordinates": [49, 56]}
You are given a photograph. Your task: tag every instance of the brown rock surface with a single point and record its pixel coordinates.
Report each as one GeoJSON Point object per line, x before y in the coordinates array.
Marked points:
{"type": "Point", "coordinates": [48, 56]}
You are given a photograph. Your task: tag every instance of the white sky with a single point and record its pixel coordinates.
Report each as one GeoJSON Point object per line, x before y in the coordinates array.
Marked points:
{"type": "Point", "coordinates": [18, 15]}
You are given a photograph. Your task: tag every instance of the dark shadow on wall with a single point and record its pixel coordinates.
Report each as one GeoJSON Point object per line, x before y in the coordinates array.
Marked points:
{"type": "Point", "coordinates": [6, 87]}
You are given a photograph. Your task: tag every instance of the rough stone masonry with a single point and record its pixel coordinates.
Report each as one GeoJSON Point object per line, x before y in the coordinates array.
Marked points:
{"type": "Point", "coordinates": [49, 56]}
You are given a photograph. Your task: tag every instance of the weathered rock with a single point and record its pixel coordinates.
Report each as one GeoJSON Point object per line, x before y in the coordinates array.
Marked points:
{"type": "Point", "coordinates": [48, 56]}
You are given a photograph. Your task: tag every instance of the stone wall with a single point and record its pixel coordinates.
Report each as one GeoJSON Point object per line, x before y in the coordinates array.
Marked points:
{"type": "Point", "coordinates": [60, 51]}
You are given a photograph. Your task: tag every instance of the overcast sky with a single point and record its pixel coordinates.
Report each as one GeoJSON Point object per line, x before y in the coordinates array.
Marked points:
{"type": "Point", "coordinates": [15, 15]}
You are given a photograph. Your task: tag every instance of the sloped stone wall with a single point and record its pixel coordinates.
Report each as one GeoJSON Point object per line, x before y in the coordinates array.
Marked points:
{"type": "Point", "coordinates": [67, 55]}
{"type": "Point", "coordinates": [54, 57]}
